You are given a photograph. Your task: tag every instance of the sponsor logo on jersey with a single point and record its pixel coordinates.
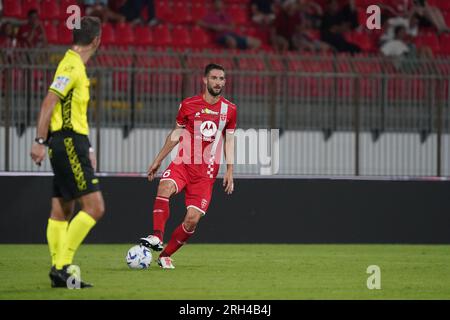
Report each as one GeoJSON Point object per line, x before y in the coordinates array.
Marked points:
{"type": "Point", "coordinates": [60, 83]}
{"type": "Point", "coordinates": [207, 111]}
{"type": "Point", "coordinates": [204, 203]}
{"type": "Point", "coordinates": [208, 129]}
{"type": "Point", "coordinates": [223, 117]}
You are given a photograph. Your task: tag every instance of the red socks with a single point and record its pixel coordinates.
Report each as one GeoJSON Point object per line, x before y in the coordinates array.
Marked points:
{"type": "Point", "coordinates": [161, 213]}
{"type": "Point", "coordinates": [179, 237]}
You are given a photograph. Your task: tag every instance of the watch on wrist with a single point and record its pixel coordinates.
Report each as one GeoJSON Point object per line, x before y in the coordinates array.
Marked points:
{"type": "Point", "coordinates": [40, 140]}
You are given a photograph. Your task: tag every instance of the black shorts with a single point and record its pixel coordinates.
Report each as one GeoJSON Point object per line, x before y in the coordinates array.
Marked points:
{"type": "Point", "coordinates": [69, 157]}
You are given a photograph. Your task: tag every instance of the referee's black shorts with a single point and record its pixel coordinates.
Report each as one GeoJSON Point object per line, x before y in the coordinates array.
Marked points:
{"type": "Point", "coordinates": [69, 157]}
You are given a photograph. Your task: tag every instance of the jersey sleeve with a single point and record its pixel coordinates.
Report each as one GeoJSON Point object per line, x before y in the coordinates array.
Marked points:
{"type": "Point", "coordinates": [231, 126]}
{"type": "Point", "coordinates": [65, 79]}
{"type": "Point", "coordinates": [182, 116]}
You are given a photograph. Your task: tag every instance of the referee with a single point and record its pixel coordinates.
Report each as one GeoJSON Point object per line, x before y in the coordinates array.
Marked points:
{"type": "Point", "coordinates": [63, 127]}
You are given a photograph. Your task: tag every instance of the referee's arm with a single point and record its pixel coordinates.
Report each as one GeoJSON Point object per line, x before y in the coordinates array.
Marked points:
{"type": "Point", "coordinates": [49, 103]}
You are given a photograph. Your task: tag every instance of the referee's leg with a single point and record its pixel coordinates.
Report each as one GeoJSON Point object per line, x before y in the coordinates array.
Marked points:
{"type": "Point", "coordinates": [92, 210]}
{"type": "Point", "coordinates": [60, 214]}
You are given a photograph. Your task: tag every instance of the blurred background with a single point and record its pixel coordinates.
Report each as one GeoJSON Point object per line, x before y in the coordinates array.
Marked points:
{"type": "Point", "coordinates": [348, 101]}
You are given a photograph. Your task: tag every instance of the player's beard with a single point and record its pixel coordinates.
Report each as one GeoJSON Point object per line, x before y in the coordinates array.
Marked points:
{"type": "Point", "coordinates": [212, 92]}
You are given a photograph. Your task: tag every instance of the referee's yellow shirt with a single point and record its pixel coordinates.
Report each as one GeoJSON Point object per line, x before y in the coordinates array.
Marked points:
{"type": "Point", "coordinates": [71, 85]}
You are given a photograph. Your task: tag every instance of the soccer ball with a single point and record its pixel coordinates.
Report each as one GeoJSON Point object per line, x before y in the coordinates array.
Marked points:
{"type": "Point", "coordinates": [139, 257]}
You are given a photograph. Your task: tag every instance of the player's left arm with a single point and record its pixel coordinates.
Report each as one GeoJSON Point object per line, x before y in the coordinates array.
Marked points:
{"type": "Point", "coordinates": [229, 154]}
{"type": "Point", "coordinates": [229, 159]}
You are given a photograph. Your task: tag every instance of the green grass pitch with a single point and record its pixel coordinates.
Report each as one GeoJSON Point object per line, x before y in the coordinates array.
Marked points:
{"type": "Point", "coordinates": [219, 271]}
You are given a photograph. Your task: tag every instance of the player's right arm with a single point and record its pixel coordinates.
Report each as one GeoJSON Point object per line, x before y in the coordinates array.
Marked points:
{"type": "Point", "coordinates": [171, 141]}
{"type": "Point", "coordinates": [49, 103]}
{"type": "Point", "coordinates": [65, 79]}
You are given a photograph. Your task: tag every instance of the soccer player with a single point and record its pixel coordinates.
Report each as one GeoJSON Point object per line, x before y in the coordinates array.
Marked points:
{"type": "Point", "coordinates": [201, 124]}
{"type": "Point", "coordinates": [63, 126]}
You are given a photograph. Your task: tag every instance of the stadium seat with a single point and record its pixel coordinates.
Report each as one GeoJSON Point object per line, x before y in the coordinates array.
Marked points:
{"type": "Point", "coordinates": [429, 40]}
{"type": "Point", "coordinates": [51, 32]}
{"type": "Point", "coordinates": [200, 38]}
{"type": "Point", "coordinates": [143, 36]}
{"type": "Point", "coordinates": [198, 12]}
{"type": "Point", "coordinates": [444, 5]}
{"type": "Point", "coordinates": [12, 8]}
{"type": "Point", "coordinates": [124, 34]}
{"type": "Point", "coordinates": [181, 37]}
{"type": "Point", "coordinates": [239, 14]}
{"type": "Point", "coordinates": [163, 11]}
{"type": "Point", "coordinates": [108, 34]}
{"type": "Point", "coordinates": [50, 10]}
{"type": "Point", "coordinates": [445, 43]}
{"type": "Point", "coordinates": [181, 14]}
{"type": "Point", "coordinates": [162, 35]}
{"type": "Point", "coordinates": [28, 5]}
{"type": "Point", "coordinates": [64, 35]}
{"type": "Point", "coordinates": [361, 39]}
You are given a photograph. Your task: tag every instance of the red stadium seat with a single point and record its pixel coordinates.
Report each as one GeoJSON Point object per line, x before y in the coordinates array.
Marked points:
{"type": "Point", "coordinates": [239, 14]}
{"type": "Point", "coordinates": [445, 43]}
{"type": "Point", "coordinates": [444, 5]}
{"type": "Point", "coordinates": [108, 34]}
{"type": "Point", "coordinates": [28, 5]}
{"type": "Point", "coordinates": [198, 12]}
{"type": "Point", "coordinates": [200, 38]}
{"type": "Point", "coordinates": [124, 34]}
{"type": "Point", "coordinates": [64, 35]}
{"type": "Point", "coordinates": [50, 10]}
{"type": "Point", "coordinates": [251, 63]}
{"type": "Point", "coordinates": [429, 40]}
{"type": "Point", "coordinates": [51, 32]}
{"type": "Point", "coordinates": [361, 39]}
{"type": "Point", "coordinates": [162, 36]}
{"type": "Point", "coordinates": [11, 8]}
{"type": "Point", "coordinates": [163, 11]}
{"type": "Point", "coordinates": [181, 14]}
{"type": "Point", "coordinates": [181, 37]}
{"type": "Point", "coordinates": [143, 36]}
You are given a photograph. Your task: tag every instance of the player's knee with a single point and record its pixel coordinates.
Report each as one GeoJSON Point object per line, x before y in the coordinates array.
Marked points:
{"type": "Point", "coordinates": [166, 189]}
{"type": "Point", "coordinates": [59, 215]}
{"type": "Point", "coordinates": [190, 222]}
{"type": "Point", "coordinates": [190, 225]}
{"type": "Point", "coordinates": [96, 210]}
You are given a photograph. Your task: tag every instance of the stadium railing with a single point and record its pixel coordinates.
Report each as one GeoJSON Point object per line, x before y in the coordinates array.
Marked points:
{"type": "Point", "coordinates": [338, 115]}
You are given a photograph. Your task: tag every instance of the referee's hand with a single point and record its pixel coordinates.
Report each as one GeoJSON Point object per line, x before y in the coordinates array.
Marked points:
{"type": "Point", "coordinates": [37, 153]}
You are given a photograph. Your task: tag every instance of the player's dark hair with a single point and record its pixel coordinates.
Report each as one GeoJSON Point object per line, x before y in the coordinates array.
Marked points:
{"type": "Point", "coordinates": [213, 66]}
{"type": "Point", "coordinates": [90, 28]}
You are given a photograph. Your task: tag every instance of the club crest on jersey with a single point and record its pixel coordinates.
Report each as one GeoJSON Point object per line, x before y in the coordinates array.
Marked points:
{"type": "Point", "coordinates": [207, 111]}
{"type": "Point", "coordinates": [208, 129]}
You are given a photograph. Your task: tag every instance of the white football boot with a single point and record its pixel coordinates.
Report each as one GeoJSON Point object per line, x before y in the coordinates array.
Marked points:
{"type": "Point", "coordinates": [152, 242]}
{"type": "Point", "coordinates": [166, 263]}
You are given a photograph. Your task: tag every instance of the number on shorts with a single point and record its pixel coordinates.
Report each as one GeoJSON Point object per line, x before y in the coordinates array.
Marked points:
{"type": "Point", "coordinates": [166, 173]}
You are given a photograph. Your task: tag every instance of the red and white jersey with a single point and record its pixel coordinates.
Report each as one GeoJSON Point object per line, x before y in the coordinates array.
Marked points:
{"type": "Point", "coordinates": [205, 127]}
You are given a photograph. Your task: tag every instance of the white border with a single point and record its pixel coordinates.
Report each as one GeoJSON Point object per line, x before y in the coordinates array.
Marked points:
{"type": "Point", "coordinates": [204, 213]}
